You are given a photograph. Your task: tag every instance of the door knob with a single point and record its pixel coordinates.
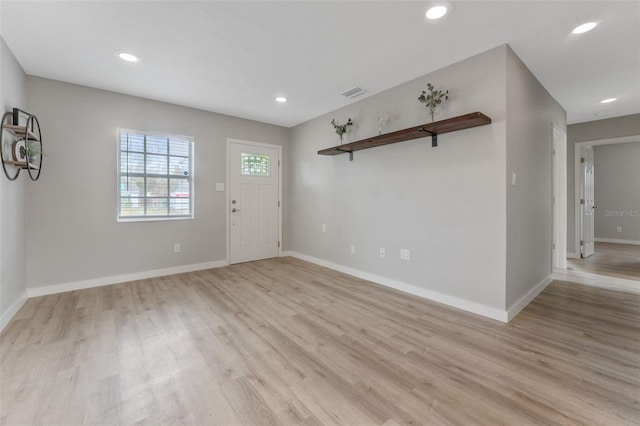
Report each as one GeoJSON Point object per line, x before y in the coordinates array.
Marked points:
{"type": "Point", "coordinates": [233, 210]}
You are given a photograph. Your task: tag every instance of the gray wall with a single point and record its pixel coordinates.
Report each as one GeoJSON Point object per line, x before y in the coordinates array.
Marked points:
{"type": "Point", "coordinates": [617, 191]}
{"type": "Point", "coordinates": [447, 205]}
{"type": "Point", "coordinates": [531, 114]}
{"type": "Point", "coordinates": [12, 200]}
{"type": "Point", "coordinates": [594, 130]}
{"type": "Point", "coordinates": [453, 206]}
{"type": "Point", "coordinates": [72, 231]}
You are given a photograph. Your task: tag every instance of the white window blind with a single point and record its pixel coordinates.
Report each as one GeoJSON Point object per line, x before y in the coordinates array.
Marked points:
{"type": "Point", "coordinates": [154, 176]}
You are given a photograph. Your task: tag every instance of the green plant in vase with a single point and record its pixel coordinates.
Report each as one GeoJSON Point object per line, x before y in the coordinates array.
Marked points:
{"type": "Point", "coordinates": [23, 150]}
{"type": "Point", "coordinates": [30, 152]}
{"type": "Point", "coordinates": [341, 129]}
{"type": "Point", "coordinates": [432, 98]}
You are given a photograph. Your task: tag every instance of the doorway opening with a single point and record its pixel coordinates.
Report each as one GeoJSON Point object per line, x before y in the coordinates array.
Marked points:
{"type": "Point", "coordinates": [606, 227]}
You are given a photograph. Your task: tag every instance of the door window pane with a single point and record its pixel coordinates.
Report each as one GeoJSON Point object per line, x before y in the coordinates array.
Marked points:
{"type": "Point", "coordinates": [255, 164]}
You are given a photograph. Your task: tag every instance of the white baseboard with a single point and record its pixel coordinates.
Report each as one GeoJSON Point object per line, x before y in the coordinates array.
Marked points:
{"type": "Point", "coordinates": [115, 279]}
{"type": "Point", "coordinates": [445, 299]}
{"type": "Point", "coordinates": [594, 280]}
{"type": "Point", "coordinates": [573, 256]}
{"type": "Point", "coordinates": [527, 298]}
{"type": "Point", "coordinates": [617, 241]}
{"type": "Point", "coordinates": [12, 310]}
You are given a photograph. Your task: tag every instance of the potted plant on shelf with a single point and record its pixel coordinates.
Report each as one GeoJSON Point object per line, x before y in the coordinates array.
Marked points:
{"type": "Point", "coordinates": [432, 98]}
{"type": "Point", "coordinates": [23, 150]}
{"type": "Point", "coordinates": [341, 129]}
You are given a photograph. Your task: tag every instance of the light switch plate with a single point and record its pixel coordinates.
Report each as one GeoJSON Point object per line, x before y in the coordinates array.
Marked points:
{"type": "Point", "coordinates": [219, 186]}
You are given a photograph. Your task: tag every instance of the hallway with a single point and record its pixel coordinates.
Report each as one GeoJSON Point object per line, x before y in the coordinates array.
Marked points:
{"type": "Point", "coordinates": [610, 259]}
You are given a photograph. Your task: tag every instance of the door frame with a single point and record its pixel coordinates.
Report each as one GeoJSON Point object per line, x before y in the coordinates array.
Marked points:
{"type": "Point", "coordinates": [559, 194]}
{"type": "Point", "coordinates": [228, 191]}
{"type": "Point", "coordinates": [577, 178]}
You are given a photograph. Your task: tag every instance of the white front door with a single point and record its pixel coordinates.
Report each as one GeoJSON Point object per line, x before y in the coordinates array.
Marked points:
{"type": "Point", "coordinates": [253, 201]}
{"type": "Point", "coordinates": [586, 202]}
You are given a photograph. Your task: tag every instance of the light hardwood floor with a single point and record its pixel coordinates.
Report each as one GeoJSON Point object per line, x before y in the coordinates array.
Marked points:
{"type": "Point", "coordinates": [283, 341]}
{"type": "Point", "coordinates": [614, 260]}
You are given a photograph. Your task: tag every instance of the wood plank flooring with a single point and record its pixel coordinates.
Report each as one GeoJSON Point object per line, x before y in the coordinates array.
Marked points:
{"type": "Point", "coordinates": [283, 341]}
{"type": "Point", "coordinates": [613, 260]}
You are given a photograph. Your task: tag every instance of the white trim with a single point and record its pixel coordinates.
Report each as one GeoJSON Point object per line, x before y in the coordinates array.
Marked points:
{"type": "Point", "coordinates": [617, 241]}
{"type": "Point", "coordinates": [610, 141]}
{"type": "Point", "coordinates": [559, 194]}
{"type": "Point", "coordinates": [115, 279]}
{"type": "Point", "coordinates": [573, 256]}
{"type": "Point", "coordinates": [12, 310]}
{"type": "Point", "coordinates": [476, 308]}
{"type": "Point", "coordinates": [577, 211]}
{"type": "Point", "coordinates": [527, 298]}
{"type": "Point", "coordinates": [594, 280]}
{"type": "Point", "coordinates": [228, 188]}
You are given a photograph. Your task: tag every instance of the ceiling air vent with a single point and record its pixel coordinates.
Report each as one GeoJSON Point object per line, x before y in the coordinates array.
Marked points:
{"type": "Point", "coordinates": [354, 93]}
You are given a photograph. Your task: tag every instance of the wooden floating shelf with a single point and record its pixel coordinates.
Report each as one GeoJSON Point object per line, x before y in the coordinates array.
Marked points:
{"type": "Point", "coordinates": [21, 164]}
{"type": "Point", "coordinates": [20, 131]}
{"type": "Point", "coordinates": [434, 129]}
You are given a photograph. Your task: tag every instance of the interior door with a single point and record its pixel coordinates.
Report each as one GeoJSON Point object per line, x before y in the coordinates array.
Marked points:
{"type": "Point", "coordinates": [586, 202]}
{"type": "Point", "coordinates": [253, 201]}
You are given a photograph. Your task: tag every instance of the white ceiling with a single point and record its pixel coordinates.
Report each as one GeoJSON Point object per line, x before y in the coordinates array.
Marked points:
{"type": "Point", "coordinates": [235, 57]}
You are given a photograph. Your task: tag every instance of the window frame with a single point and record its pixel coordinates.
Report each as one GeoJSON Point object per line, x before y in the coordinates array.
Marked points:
{"type": "Point", "coordinates": [120, 174]}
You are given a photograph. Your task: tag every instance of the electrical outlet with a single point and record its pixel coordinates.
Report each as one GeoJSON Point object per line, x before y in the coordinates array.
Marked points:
{"type": "Point", "coordinates": [353, 249]}
{"type": "Point", "coordinates": [176, 248]}
{"type": "Point", "coordinates": [405, 254]}
{"type": "Point", "coordinates": [619, 229]}
{"type": "Point", "coordinates": [382, 253]}
{"type": "Point", "coordinates": [324, 227]}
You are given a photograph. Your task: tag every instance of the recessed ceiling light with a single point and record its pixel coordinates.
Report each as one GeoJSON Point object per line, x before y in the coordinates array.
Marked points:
{"type": "Point", "coordinates": [439, 10]}
{"type": "Point", "coordinates": [584, 28]}
{"type": "Point", "coordinates": [281, 99]}
{"type": "Point", "coordinates": [125, 56]}
{"type": "Point", "coordinates": [608, 100]}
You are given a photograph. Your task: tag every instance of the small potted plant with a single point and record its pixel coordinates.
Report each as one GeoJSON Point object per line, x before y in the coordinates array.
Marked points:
{"type": "Point", "coordinates": [22, 150]}
{"type": "Point", "coordinates": [432, 98]}
{"type": "Point", "coordinates": [30, 152]}
{"type": "Point", "coordinates": [341, 129]}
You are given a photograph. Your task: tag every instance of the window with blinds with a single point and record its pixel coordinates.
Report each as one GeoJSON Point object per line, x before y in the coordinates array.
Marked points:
{"type": "Point", "coordinates": [154, 176]}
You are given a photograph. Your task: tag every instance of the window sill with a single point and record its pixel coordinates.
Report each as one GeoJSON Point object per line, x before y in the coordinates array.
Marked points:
{"type": "Point", "coordinates": [153, 218]}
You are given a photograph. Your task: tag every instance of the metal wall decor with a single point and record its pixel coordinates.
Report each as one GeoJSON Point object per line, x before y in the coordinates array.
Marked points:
{"type": "Point", "coordinates": [21, 144]}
